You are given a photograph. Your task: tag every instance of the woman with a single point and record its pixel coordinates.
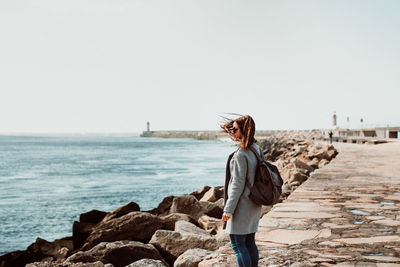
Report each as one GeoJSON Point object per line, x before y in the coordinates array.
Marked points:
{"type": "Point", "coordinates": [241, 215]}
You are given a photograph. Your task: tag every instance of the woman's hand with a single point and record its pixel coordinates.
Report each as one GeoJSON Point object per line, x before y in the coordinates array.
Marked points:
{"type": "Point", "coordinates": [226, 217]}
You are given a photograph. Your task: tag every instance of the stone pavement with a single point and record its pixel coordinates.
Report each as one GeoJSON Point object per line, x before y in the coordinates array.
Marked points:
{"type": "Point", "coordinates": [346, 214]}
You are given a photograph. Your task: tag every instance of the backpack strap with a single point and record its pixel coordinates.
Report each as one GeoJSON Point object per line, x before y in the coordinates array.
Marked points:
{"type": "Point", "coordinates": [259, 159]}
{"type": "Point", "coordinates": [258, 156]}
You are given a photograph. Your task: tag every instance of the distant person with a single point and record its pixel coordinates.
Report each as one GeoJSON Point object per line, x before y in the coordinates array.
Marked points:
{"type": "Point", "coordinates": [241, 216]}
{"type": "Point", "coordinates": [330, 137]}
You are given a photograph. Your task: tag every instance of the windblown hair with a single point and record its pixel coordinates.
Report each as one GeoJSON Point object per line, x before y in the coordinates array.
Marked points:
{"type": "Point", "coordinates": [247, 128]}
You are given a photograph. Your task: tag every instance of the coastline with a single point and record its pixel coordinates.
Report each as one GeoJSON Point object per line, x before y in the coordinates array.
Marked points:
{"type": "Point", "coordinates": [281, 150]}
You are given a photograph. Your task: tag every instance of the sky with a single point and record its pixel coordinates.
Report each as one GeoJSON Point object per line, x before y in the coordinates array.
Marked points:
{"type": "Point", "coordinates": [109, 66]}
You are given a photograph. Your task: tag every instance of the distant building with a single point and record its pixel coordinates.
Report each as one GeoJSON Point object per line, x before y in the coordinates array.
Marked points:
{"type": "Point", "coordinates": [148, 126]}
{"type": "Point", "coordinates": [334, 119]}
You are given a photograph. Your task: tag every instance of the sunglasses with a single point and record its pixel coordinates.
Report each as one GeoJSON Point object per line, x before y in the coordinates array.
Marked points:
{"type": "Point", "coordinates": [233, 129]}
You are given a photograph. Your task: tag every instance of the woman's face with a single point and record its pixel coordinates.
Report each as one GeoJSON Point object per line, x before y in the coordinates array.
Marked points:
{"type": "Point", "coordinates": [235, 132]}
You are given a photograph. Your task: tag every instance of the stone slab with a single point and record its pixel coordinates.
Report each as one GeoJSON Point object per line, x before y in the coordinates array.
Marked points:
{"type": "Point", "coordinates": [382, 258]}
{"type": "Point", "coordinates": [289, 237]}
{"type": "Point", "coordinates": [302, 214]}
{"type": "Point", "coordinates": [369, 240]}
{"type": "Point", "coordinates": [388, 222]}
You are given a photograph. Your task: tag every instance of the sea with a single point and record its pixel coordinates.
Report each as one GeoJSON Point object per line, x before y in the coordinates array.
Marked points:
{"type": "Point", "coordinates": [46, 182]}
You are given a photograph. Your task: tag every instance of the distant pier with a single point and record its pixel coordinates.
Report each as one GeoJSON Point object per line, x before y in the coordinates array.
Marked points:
{"type": "Point", "coordinates": [371, 135]}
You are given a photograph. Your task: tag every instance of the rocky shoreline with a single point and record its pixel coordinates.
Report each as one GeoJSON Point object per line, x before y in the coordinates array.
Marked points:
{"type": "Point", "coordinates": [181, 231]}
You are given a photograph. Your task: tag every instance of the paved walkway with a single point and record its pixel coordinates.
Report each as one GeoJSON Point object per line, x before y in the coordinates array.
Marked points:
{"type": "Point", "coordinates": [346, 214]}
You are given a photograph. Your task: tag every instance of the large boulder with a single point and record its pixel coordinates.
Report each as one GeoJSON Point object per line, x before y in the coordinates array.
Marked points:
{"type": "Point", "coordinates": [186, 236]}
{"type": "Point", "coordinates": [297, 175]}
{"type": "Point", "coordinates": [51, 249]}
{"type": "Point", "coordinates": [212, 209]}
{"type": "Point", "coordinates": [139, 226]}
{"type": "Point", "coordinates": [213, 194]}
{"type": "Point", "coordinates": [331, 151]}
{"type": "Point", "coordinates": [302, 165]}
{"type": "Point", "coordinates": [118, 253]}
{"type": "Point", "coordinates": [20, 258]}
{"type": "Point", "coordinates": [78, 264]}
{"type": "Point", "coordinates": [210, 224]}
{"type": "Point", "coordinates": [200, 192]}
{"type": "Point", "coordinates": [218, 259]}
{"type": "Point", "coordinates": [187, 204]}
{"type": "Point", "coordinates": [313, 163]}
{"type": "Point", "coordinates": [164, 207]}
{"type": "Point", "coordinates": [192, 257]}
{"type": "Point", "coordinates": [82, 229]}
{"type": "Point", "coordinates": [121, 211]}
{"type": "Point", "coordinates": [172, 218]}
{"type": "Point", "coordinates": [37, 251]}
{"type": "Point", "coordinates": [147, 263]}
{"type": "Point", "coordinates": [93, 216]}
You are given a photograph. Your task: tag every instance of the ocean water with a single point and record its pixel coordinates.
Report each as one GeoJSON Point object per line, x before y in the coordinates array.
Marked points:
{"type": "Point", "coordinates": [47, 182]}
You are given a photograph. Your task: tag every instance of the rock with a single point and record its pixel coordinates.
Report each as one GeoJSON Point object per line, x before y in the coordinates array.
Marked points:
{"type": "Point", "coordinates": [192, 257]}
{"type": "Point", "coordinates": [81, 231]}
{"type": "Point", "coordinates": [286, 189]}
{"type": "Point", "coordinates": [302, 165]}
{"type": "Point", "coordinates": [314, 163]}
{"type": "Point", "coordinates": [171, 244]}
{"type": "Point", "coordinates": [50, 249]}
{"type": "Point", "coordinates": [136, 225]}
{"type": "Point", "coordinates": [297, 175]}
{"type": "Point", "coordinates": [298, 149]}
{"type": "Point", "coordinates": [121, 211]}
{"type": "Point", "coordinates": [213, 194]}
{"type": "Point", "coordinates": [320, 154]}
{"type": "Point", "coordinates": [185, 227]}
{"type": "Point", "coordinates": [210, 209]}
{"type": "Point", "coordinates": [147, 263]}
{"type": "Point", "coordinates": [331, 151]}
{"type": "Point", "coordinates": [118, 253]}
{"type": "Point", "coordinates": [93, 216]}
{"type": "Point", "coordinates": [164, 207]}
{"type": "Point", "coordinates": [78, 264]}
{"type": "Point", "coordinates": [62, 253]}
{"type": "Point", "coordinates": [332, 154]}
{"type": "Point", "coordinates": [286, 172]}
{"type": "Point", "coordinates": [172, 218]}
{"type": "Point", "coordinates": [20, 258]}
{"type": "Point", "coordinates": [187, 204]}
{"type": "Point", "coordinates": [200, 192]}
{"type": "Point", "coordinates": [219, 260]}
{"type": "Point", "coordinates": [294, 184]}
{"type": "Point", "coordinates": [210, 224]}
{"type": "Point", "coordinates": [322, 163]}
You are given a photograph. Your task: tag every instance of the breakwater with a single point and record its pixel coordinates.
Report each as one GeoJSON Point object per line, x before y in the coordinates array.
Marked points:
{"type": "Point", "coordinates": [177, 230]}
{"type": "Point", "coordinates": [355, 136]}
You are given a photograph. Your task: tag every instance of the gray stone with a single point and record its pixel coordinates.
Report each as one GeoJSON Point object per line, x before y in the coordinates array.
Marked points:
{"type": "Point", "coordinates": [192, 257]}
{"type": "Point", "coordinates": [172, 218]}
{"type": "Point", "coordinates": [171, 244]}
{"type": "Point", "coordinates": [121, 211]}
{"type": "Point", "coordinates": [138, 226]}
{"type": "Point", "coordinates": [118, 253]}
{"type": "Point", "coordinates": [147, 263]}
{"type": "Point", "coordinates": [187, 204]}
{"type": "Point", "coordinates": [213, 194]}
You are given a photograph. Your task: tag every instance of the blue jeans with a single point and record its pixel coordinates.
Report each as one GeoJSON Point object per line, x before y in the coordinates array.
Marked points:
{"type": "Point", "coordinates": [245, 249]}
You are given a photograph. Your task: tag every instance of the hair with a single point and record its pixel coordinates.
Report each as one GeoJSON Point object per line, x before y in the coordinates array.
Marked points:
{"type": "Point", "coordinates": [247, 128]}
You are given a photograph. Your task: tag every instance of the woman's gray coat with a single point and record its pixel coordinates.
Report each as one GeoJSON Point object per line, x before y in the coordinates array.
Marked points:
{"type": "Point", "coordinates": [245, 214]}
